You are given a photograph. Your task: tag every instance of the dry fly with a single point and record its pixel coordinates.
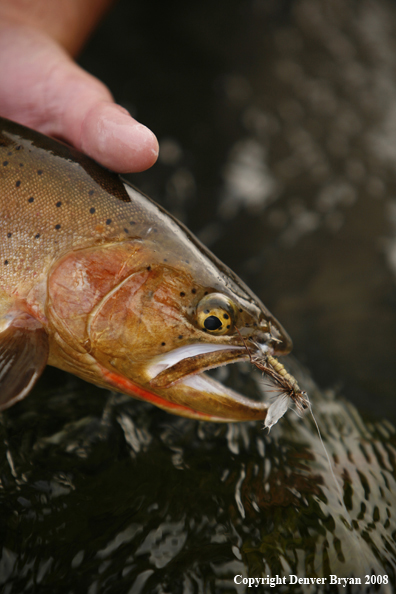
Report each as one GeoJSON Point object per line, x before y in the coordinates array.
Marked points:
{"type": "Point", "coordinates": [290, 391]}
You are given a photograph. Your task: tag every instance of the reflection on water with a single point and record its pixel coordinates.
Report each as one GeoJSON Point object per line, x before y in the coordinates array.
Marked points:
{"type": "Point", "coordinates": [278, 138]}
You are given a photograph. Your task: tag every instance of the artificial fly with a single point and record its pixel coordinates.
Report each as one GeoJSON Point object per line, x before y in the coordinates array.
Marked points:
{"type": "Point", "coordinates": [290, 391]}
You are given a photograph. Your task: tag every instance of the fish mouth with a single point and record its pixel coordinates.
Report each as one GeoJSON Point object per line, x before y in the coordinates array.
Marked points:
{"type": "Point", "coordinates": [179, 377]}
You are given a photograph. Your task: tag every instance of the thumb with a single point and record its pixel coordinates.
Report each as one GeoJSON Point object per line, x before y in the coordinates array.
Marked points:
{"type": "Point", "coordinates": [41, 86]}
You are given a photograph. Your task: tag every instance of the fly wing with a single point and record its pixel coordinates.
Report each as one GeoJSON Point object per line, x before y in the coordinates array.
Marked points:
{"type": "Point", "coordinates": [276, 411]}
{"type": "Point", "coordinates": [23, 356]}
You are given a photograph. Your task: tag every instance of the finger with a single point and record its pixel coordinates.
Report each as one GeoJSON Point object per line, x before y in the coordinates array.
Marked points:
{"type": "Point", "coordinates": [88, 118]}
{"type": "Point", "coordinates": [107, 133]}
{"type": "Point", "coordinates": [43, 88]}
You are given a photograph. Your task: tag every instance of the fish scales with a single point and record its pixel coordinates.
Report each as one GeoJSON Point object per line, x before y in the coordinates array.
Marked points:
{"type": "Point", "coordinates": [52, 203]}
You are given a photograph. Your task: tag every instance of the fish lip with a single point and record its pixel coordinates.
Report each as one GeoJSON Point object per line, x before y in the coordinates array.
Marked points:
{"type": "Point", "coordinates": [209, 356]}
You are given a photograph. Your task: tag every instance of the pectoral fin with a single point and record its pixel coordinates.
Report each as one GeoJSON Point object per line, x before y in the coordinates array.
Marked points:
{"type": "Point", "coordinates": [23, 356]}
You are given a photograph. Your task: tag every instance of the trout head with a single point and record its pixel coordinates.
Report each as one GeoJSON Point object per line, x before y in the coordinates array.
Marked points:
{"type": "Point", "coordinates": [100, 281]}
{"type": "Point", "coordinates": [148, 322]}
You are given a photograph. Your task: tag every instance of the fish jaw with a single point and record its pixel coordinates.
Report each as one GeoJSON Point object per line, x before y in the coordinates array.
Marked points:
{"type": "Point", "coordinates": [170, 368]}
{"type": "Point", "coordinates": [126, 386]}
{"type": "Point", "coordinates": [196, 396]}
{"type": "Point", "coordinates": [212, 401]}
{"type": "Point", "coordinates": [191, 394]}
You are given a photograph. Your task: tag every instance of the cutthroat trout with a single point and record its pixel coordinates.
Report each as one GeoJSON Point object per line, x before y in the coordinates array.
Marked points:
{"type": "Point", "coordinates": [100, 281]}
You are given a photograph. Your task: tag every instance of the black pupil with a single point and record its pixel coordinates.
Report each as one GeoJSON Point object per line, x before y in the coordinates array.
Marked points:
{"type": "Point", "coordinates": [212, 323]}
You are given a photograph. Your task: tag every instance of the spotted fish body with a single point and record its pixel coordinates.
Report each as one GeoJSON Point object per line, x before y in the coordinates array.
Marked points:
{"type": "Point", "coordinates": [55, 200]}
{"type": "Point", "coordinates": [98, 280]}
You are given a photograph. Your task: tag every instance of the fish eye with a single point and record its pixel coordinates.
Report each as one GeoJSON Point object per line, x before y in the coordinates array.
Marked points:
{"type": "Point", "coordinates": [215, 313]}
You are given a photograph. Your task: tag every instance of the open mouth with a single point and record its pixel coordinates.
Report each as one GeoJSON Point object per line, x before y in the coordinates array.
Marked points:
{"type": "Point", "coordinates": [180, 377]}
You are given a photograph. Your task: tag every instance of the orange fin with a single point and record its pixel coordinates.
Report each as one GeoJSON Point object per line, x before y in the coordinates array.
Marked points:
{"type": "Point", "coordinates": [23, 356]}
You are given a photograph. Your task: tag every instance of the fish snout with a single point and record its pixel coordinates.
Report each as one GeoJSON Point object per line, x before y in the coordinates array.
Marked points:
{"type": "Point", "coordinates": [282, 346]}
{"type": "Point", "coordinates": [274, 337]}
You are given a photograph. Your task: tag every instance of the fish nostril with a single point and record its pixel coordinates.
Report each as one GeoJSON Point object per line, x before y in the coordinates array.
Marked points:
{"type": "Point", "coordinates": [283, 346]}
{"type": "Point", "coordinates": [276, 340]}
{"type": "Point", "coordinates": [262, 338]}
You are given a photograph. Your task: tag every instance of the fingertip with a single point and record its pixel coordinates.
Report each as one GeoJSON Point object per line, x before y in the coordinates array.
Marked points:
{"type": "Point", "coordinates": [116, 140]}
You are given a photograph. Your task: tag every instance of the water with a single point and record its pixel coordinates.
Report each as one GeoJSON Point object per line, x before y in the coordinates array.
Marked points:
{"type": "Point", "coordinates": [101, 494]}
{"type": "Point", "coordinates": [277, 127]}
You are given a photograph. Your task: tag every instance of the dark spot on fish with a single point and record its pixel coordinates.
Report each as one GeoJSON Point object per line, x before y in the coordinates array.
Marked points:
{"type": "Point", "coordinates": [165, 260]}
{"type": "Point", "coordinates": [126, 231]}
{"type": "Point", "coordinates": [187, 261]}
{"type": "Point", "coordinates": [206, 292]}
{"type": "Point", "coordinates": [255, 324]}
{"type": "Point", "coordinates": [148, 267]}
{"type": "Point", "coordinates": [206, 311]}
{"type": "Point", "coordinates": [57, 227]}
{"type": "Point", "coordinates": [228, 326]}
{"type": "Point", "coordinates": [132, 223]}
{"type": "Point", "coordinates": [241, 310]}
{"type": "Point", "coordinates": [6, 262]}
{"type": "Point", "coordinates": [9, 234]}
{"type": "Point", "coordinates": [226, 316]}
{"type": "Point", "coordinates": [9, 153]}
{"type": "Point", "coordinates": [182, 294]}
{"type": "Point", "coordinates": [91, 192]}
{"type": "Point", "coordinates": [39, 171]}
{"type": "Point", "coordinates": [193, 291]}
{"type": "Point", "coordinates": [18, 148]}
{"type": "Point", "coordinates": [18, 183]}
{"type": "Point", "coordinates": [58, 204]}
{"type": "Point", "coordinates": [155, 230]}
{"type": "Point", "coordinates": [180, 336]}
{"type": "Point", "coordinates": [250, 338]}
{"type": "Point", "coordinates": [108, 222]}
{"type": "Point", "coordinates": [247, 324]}
{"type": "Point", "coordinates": [92, 210]}
{"type": "Point", "coordinates": [20, 164]}
{"type": "Point", "coordinates": [163, 343]}
{"type": "Point", "coordinates": [37, 236]}
{"type": "Point", "coordinates": [31, 199]}
{"type": "Point", "coordinates": [5, 163]}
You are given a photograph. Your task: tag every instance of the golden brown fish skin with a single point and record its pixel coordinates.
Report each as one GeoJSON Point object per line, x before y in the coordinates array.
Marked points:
{"type": "Point", "coordinates": [113, 279]}
{"type": "Point", "coordinates": [119, 313]}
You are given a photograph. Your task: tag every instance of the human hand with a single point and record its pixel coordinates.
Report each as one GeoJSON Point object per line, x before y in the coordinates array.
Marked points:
{"type": "Point", "coordinates": [43, 88]}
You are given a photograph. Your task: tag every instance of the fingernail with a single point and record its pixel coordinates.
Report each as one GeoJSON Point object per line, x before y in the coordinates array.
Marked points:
{"type": "Point", "coordinates": [130, 131]}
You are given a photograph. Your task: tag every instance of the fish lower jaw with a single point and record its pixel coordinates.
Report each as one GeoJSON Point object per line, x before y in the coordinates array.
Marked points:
{"type": "Point", "coordinates": [180, 377]}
